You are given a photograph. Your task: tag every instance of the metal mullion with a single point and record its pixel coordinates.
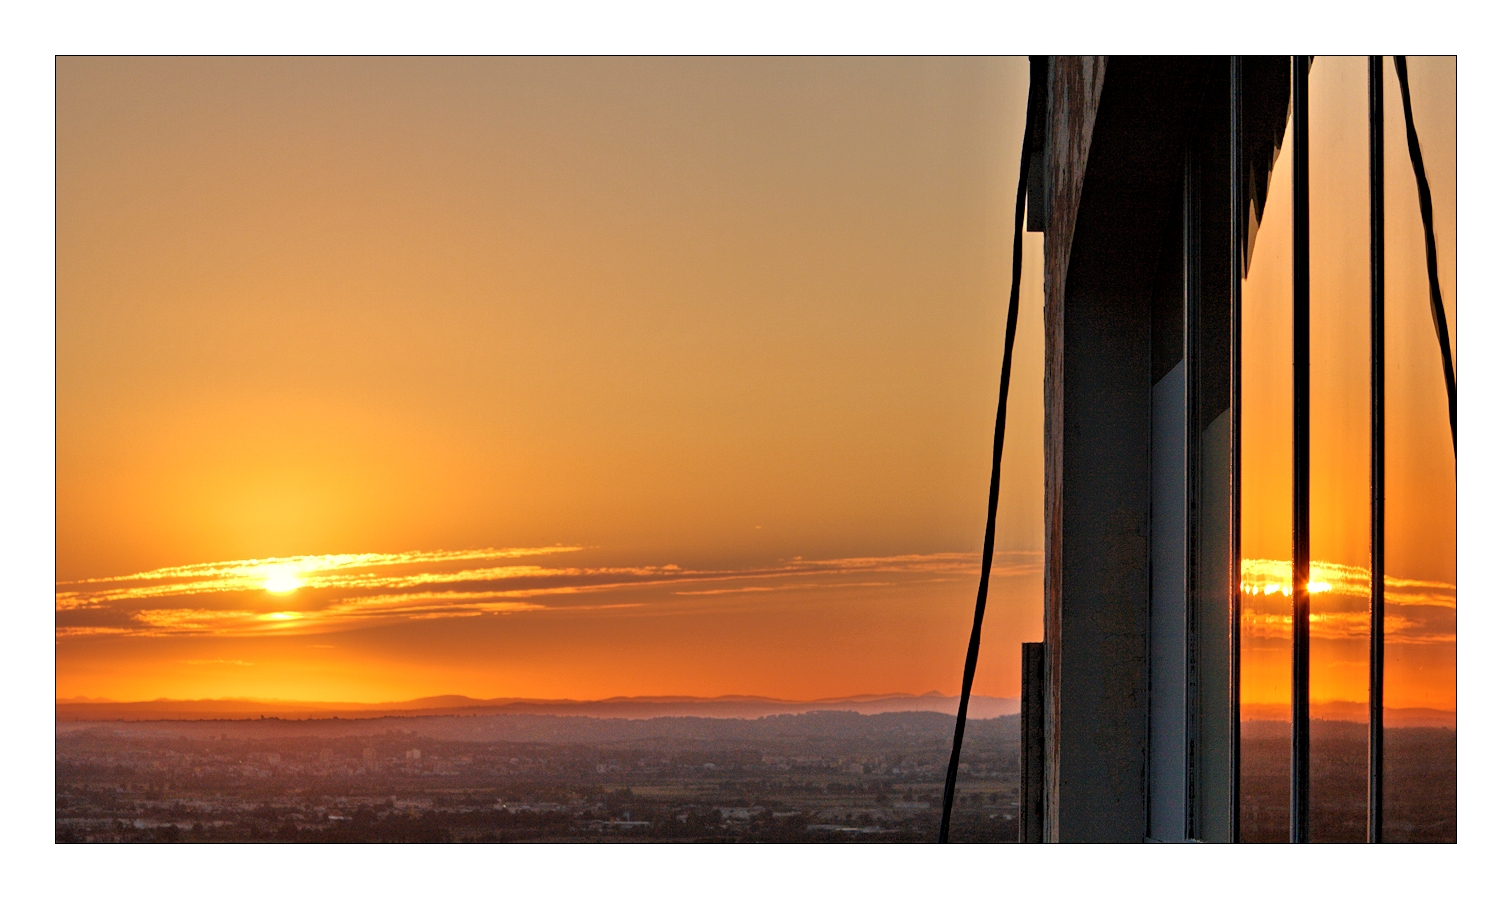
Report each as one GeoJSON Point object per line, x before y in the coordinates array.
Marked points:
{"type": "Point", "coordinates": [1377, 448]}
{"type": "Point", "coordinates": [1238, 225]}
{"type": "Point", "coordinates": [1192, 353]}
{"type": "Point", "coordinates": [1301, 454]}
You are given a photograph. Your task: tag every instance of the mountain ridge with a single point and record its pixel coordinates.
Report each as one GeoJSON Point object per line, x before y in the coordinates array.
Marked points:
{"type": "Point", "coordinates": [725, 706]}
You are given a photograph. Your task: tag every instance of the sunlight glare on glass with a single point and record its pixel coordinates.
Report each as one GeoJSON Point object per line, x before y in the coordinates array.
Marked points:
{"type": "Point", "coordinates": [1284, 589]}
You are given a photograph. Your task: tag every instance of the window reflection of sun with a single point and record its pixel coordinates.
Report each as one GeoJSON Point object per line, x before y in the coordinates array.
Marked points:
{"type": "Point", "coordinates": [1285, 589]}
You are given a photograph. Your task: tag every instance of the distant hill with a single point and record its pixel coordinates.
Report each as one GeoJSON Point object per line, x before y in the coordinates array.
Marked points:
{"type": "Point", "coordinates": [805, 733]}
{"type": "Point", "coordinates": [1355, 712]}
{"type": "Point", "coordinates": [616, 707]}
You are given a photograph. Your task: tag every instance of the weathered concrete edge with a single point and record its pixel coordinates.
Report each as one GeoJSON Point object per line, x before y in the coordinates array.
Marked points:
{"type": "Point", "coordinates": [1072, 93]}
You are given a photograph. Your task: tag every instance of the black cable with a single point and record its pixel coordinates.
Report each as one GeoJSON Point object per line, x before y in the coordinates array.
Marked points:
{"type": "Point", "coordinates": [997, 473]}
{"type": "Point", "coordinates": [1425, 204]}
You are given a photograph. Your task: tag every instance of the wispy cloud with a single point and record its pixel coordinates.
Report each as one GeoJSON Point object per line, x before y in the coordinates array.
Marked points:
{"type": "Point", "coordinates": [724, 591]}
{"type": "Point", "coordinates": [251, 568]}
{"type": "Point", "coordinates": [1270, 576]}
{"type": "Point", "coordinates": [1417, 611]}
{"type": "Point", "coordinates": [314, 594]}
{"type": "Point", "coordinates": [329, 570]}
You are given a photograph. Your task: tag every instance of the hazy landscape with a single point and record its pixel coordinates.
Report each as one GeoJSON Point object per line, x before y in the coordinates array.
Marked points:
{"type": "Point", "coordinates": [638, 769]}
{"type": "Point", "coordinates": [818, 776]}
{"type": "Point", "coordinates": [1420, 782]}
{"type": "Point", "coordinates": [85, 709]}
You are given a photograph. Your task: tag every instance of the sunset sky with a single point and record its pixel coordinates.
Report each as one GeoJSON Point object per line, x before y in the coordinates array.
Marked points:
{"type": "Point", "coordinates": [575, 378]}
{"type": "Point", "coordinates": [712, 314]}
{"type": "Point", "coordinates": [1420, 464]}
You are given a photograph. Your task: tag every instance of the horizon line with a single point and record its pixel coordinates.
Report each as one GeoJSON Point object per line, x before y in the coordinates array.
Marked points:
{"type": "Point", "coordinates": [665, 697]}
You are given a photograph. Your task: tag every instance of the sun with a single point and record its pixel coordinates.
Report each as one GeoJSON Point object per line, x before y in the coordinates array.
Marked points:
{"type": "Point", "coordinates": [282, 581]}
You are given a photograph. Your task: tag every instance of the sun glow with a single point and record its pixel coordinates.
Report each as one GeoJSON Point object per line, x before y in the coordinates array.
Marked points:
{"type": "Point", "coordinates": [282, 580]}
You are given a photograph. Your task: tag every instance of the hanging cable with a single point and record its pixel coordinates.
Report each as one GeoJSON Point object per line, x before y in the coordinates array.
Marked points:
{"type": "Point", "coordinates": [1425, 205]}
{"type": "Point", "coordinates": [997, 471]}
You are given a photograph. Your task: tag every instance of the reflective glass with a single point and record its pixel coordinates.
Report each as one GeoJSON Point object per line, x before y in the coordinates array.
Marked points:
{"type": "Point", "coordinates": [1265, 439]}
{"type": "Point", "coordinates": [1419, 692]}
{"type": "Point", "coordinates": [1340, 473]}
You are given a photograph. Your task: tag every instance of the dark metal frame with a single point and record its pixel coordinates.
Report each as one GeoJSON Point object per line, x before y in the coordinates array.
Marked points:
{"type": "Point", "coordinates": [1377, 448]}
{"type": "Point", "coordinates": [1191, 251]}
{"type": "Point", "coordinates": [1301, 454]}
{"type": "Point", "coordinates": [1237, 226]}
{"type": "Point", "coordinates": [1032, 744]}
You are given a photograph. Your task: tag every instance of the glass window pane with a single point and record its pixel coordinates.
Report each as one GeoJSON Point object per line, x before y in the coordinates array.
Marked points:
{"type": "Point", "coordinates": [1340, 473]}
{"type": "Point", "coordinates": [1265, 514]}
{"type": "Point", "coordinates": [1419, 692]}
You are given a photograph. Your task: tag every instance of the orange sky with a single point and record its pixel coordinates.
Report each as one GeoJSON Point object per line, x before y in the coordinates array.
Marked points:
{"type": "Point", "coordinates": [1420, 486]}
{"type": "Point", "coordinates": [741, 317]}
{"type": "Point", "coordinates": [718, 314]}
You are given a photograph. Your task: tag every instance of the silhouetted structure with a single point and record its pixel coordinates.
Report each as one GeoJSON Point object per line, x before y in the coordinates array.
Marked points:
{"type": "Point", "coordinates": [1149, 181]}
